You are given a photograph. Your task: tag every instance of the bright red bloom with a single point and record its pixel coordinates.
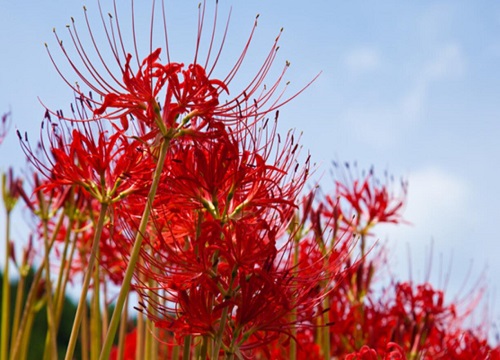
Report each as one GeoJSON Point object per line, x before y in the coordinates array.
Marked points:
{"type": "Point", "coordinates": [360, 203]}
{"type": "Point", "coordinates": [160, 93]}
{"type": "Point", "coordinates": [220, 245]}
{"type": "Point", "coordinates": [463, 345]}
{"type": "Point", "coordinates": [195, 93]}
{"type": "Point", "coordinates": [365, 353]}
{"type": "Point", "coordinates": [107, 166]}
{"type": "Point", "coordinates": [130, 345]}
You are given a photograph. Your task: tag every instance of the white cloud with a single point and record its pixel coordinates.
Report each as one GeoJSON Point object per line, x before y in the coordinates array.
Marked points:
{"type": "Point", "coordinates": [361, 60]}
{"type": "Point", "coordinates": [384, 125]}
{"type": "Point", "coordinates": [438, 208]}
{"type": "Point", "coordinates": [436, 200]}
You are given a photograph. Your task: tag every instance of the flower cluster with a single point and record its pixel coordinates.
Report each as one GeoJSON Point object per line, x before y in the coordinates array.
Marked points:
{"type": "Point", "coordinates": [168, 188]}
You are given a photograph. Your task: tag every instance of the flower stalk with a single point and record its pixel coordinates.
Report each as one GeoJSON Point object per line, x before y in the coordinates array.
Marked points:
{"type": "Point", "coordinates": [134, 256]}
{"type": "Point", "coordinates": [86, 281]}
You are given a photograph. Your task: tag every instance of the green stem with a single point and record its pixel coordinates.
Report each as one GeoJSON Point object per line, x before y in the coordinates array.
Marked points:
{"type": "Point", "coordinates": [6, 294]}
{"type": "Point", "coordinates": [151, 333]}
{"type": "Point", "coordinates": [124, 291]}
{"type": "Point", "coordinates": [122, 332]}
{"type": "Point", "coordinates": [51, 321]}
{"type": "Point", "coordinates": [220, 333]}
{"type": "Point", "coordinates": [326, 329]}
{"type": "Point", "coordinates": [175, 352]}
{"type": "Point", "coordinates": [187, 347]}
{"type": "Point", "coordinates": [19, 301]}
{"type": "Point", "coordinates": [139, 348]}
{"type": "Point", "coordinates": [84, 333]}
{"type": "Point", "coordinates": [27, 334]}
{"type": "Point", "coordinates": [86, 282]}
{"type": "Point", "coordinates": [293, 342]}
{"type": "Point", "coordinates": [95, 317]}
{"type": "Point", "coordinates": [16, 350]}
{"type": "Point", "coordinates": [204, 348]}
{"type": "Point", "coordinates": [61, 284]}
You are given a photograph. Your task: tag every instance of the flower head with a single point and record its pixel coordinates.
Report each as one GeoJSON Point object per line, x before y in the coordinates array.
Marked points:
{"type": "Point", "coordinates": [163, 95]}
{"type": "Point", "coordinates": [362, 201]}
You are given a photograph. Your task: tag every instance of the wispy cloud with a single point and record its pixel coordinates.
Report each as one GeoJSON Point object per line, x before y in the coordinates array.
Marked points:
{"type": "Point", "coordinates": [383, 125]}
{"type": "Point", "coordinates": [435, 208]}
{"type": "Point", "coordinates": [362, 60]}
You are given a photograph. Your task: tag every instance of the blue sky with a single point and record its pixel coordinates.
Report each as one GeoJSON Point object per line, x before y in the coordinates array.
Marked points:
{"type": "Point", "coordinates": [408, 87]}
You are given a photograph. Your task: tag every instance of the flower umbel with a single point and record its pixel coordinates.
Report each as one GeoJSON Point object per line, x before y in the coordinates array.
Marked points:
{"type": "Point", "coordinates": [169, 190]}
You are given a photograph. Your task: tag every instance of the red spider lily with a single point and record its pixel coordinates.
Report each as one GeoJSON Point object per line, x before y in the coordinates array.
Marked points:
{"type": "Point", "coordinates": [257, 288]}
{"type": "Point", "coordinates": [260, 303]}
{"type": "Point", "coordinates": [159, 94]}
{"type": "Point", "coordinates": [65, 213]}
{"type": "Point", "coordinates": [218, 244]}
{"type": "Point", "coordinates": [195, 94]}
{"type": "Point", "coordinates": [365, 353]}
{"type": "Point", "coordinates": [360, 203]}
{"type": "Point", "coordinates": [462, 345]}
{"type": "Point", "coordinates": [393, 352]}
{"type": "Point", "coordinates": [229, 182]}
{"type": "Point", "coordinates": [108, 167]}
{"type": "Point", "coordinates": [130, 344]}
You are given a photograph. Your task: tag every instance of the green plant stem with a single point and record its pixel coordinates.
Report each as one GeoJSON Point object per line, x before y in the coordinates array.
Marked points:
{"type": "Point", "coordinates": [140, 329]}
{"type": "Point", "coordinates": [220, 333]}
{"type": "Point", "coordinates": [63, 277]}
{"type": "Point", "coordinates": [23, 327]}
{"type": "Point", "coordinates": [6, 293]}
{"type": "Point", "coordinates": [187, 348]}
{"type": "Point", "coordinates": [95, 317]}
{"type": "Point", "coordinates": [139, 348]}
{"type": "Point", "coordinates": [151, 333]}
{"type": "Point", "coordinates": [31, 299]}
{"type": "Point", "coordinates": [19, 301]}
{"type": "Point", "coordinates": [84, 333]}
{"type": "Point", "coordinates": [27, 334]}
{"type": "Point", "coordinates": [105, 309]}
{"type": "Point", "coordinates": [61, 284]}
{"type": "Point", "coordinates": [122, 331]}
{"type": "Point", "coordinates": [326, 329]}
{"type": "Point", "coordinates": [204, 348]}
{"type": "Point", "coordinates": [124, 291]}
{"type": "Point", "coordinates": [51, 320]}
{"type": "Point", "coordinates": [86, 282]}
{"type": "Point", "coordinates": [175, 352]}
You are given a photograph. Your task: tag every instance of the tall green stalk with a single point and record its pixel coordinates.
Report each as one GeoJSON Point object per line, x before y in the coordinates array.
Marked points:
{"type": "Point", "coordinates": [47, 243]}
{"type": "Point", "coordinates": [86, 282]}
{"type": "Point", "coordinates": [124, 291]}
{"type": "Point", "coordinates": [17, 347]}
{"type": "Point", "coordinates": [19, 301]}
{"type": "Point", "coordinates": [95, 317]}
{"type": "Point", "coordinates": [187, 347]}
{"type": "Point", "coordinates": [6, 293]}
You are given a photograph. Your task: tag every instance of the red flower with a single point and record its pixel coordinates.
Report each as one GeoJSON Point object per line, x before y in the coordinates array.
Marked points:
{"type": "Point", "coordinates": [365, 353]}
{"type": "Point", "coordinates": [130, 345]}
{"type": "Point", "coordinates": [360, 203]}
{"type": "Point", "coordinates": [194, 94]}
{"type": "Point", "coordinates": [107, 166]}
{"type": "Point", "coordinates": [160, 93]}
